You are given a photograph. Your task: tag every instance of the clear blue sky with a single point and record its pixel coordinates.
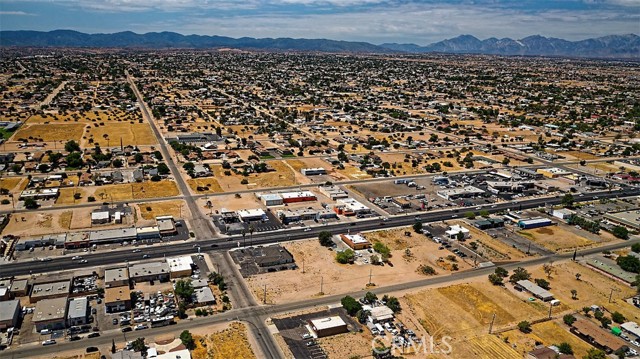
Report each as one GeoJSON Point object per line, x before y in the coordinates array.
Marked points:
{"type": "Point", "coordinates": [376, 21]}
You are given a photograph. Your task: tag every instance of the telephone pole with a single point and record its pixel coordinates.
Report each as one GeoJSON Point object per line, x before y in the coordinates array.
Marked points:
{"type": "Point", "coordinates": [370, 273]}
{"type": "Point", "coordinates": [550, 307]}
{"type": "Point", "coordinates": [264, 300]}
{"type": "Point", "coordinates": [321, 285]}
{"type": "Point", "coordinates": [491, 325]}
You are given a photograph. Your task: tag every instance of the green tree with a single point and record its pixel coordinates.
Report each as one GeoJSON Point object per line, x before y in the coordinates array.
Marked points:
{"type": "Point", "coordinates": [620, 232]}
{"type": "Point", "coordinates": [187, 340]}
{"type": "Point", "coordinates": [362, 316]}
{"type": "Point", "coordinates": [629, 263]}
{"type": "Point", "coordinates": [636, 247]}
{"type": "Point", "coordinates": [524, 326]}
{"type": "Point", "coordinates": [138, 345]}
{"type": "Point", "coordinates": [618, 317]}
{"type": "Point", "coordinates": [117, 163]}
{"type": "Point", "coordinates": [163, 169]}
{"type": "Point", "coordinates": [325, 238]}
{"type": "Point", "coordinates": [568, 200]}
{"type": "Point", "coordinates": [370, 297]}
{"type": "Point", "coordinates": [565, 348]}
{"type": "Point", "coordinates": [495, 279]}
{"type": "Point", "coordinates": [470, 215]}
{"type": "Point", "coordinates": [542, 283]}
{"type": "Point", "coordinates": [519, 274]}
{"type": "Point", "coordinates": [384, 251]}
{"type": "Point", "coordinates": [72, 146]}
{"type": "Point", "coordinates": [346, 256]}
{"type": "Point", "coordinates": [569, 319]}
{"type": "Point", "coordinates": [30, 203]}
{"type": "Point", "coordinates": [184, 289]}
{"type": "Point", "coordinates": [350, 305]}
{"type": "Point", "coordinates": [394, 304]}
{"type": "Point", "coordinates": [501, 272]}
{"type": "Point", "coordinates": [417, 227]}
{"type": "Point", "coordinates": [484, 213]}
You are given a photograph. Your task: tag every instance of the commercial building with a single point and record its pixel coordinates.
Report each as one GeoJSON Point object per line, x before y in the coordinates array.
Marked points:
{"type": "Point", "coordinates": [271, 199]}
{"type": "Point", "coordinates": [350, 207]}
{"type": "Point", "coordinates": [552, 172]}
{"type": "Point", "coordinates": [291, 216]}
{"type": "Point", "coordinates": [49, 290]}
{"type": "Point", "coordinates": [456, 193]}
{"type": "Point", "coordinates": [455, 231]}
{"type": "Point", "coordinates": [50, 314]}
{"type": "Point", "coordinates": [117, 299]}
{"type": "Point", "coordinates": [628, 219]}
{"type": "Point", "coordinates": [488, 223]}
{"type": "Point", "coordinates": [295, 197]}
{"type": "Point", "coordinates": [180, 266]}
{"type": "Point", "coordinates": [324, 327]}
{"type": "Point", "coordinates": [151, 271]}
{"type": "Point", "coordinates": [333, 192]}
{"type": "Point", "coordinates": [597, 336]}
{"type": "Point", "coordinates": [534, 223]}
{"type": "Point", "coordinates": [147, 233]}
{"type": "Point", "coordinates": [113, 236]}
{"type": "Point", "coordinates": [355, 241]}
{"type": "Point", "coordinates": [274, 255]}
{"type": "Point", "coordinates": [251, 215]}
{"type": "Point", "coordinates": [632, 328]}
{"type": "Point", "coordinates": [381, 314]}
{"type": "Point", "coordinates": [19, 288]}
{"type": "Point", "coordinates": [77, 240]}
{"type": "Point", "coordinates": [9, 313]}
{"type": "Point", "coordinates": [204, 296]}
{"type": "Point", "coordinates": [166, 226]}
{"type": "Point", "coordinates": [563, 213]}
{"type": "Point", "coordinates": [78, 311]}
{"type": "Point", "coordinates": [534, 289]}
{"type": "Point", "coordinates": [116, 277]}
{"type": "Point", "coordinates": [313, 171]}
{"type": "Point", "coordinates": [40, 194]}
{"type": "Point", "coordinates": [100, 217]}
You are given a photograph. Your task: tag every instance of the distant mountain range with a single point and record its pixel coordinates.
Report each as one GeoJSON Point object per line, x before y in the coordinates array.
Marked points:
{"type": "Point", "coordinates": [613, 46]}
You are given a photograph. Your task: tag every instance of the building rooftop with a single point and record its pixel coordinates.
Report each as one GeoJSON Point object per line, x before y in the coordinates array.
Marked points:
{"type": "Point", "coordinates": [204, 295]}
{"type": "Point", "coordinates": [627, 218]}
{"type": "Point", "coordinates": [78, 307]}
{"type": "Point", "coordinates": [179, 264]}
{"type": "Point", "coordinates": [356, 238]}
{"type": "Point", "coordinates": [112, 234]}
{"type": "Point", "coordinates": [50, 309]}
{"type": "Point", "coordinates": [116, 274]}
{"type": "Point", "coordinates": [8, 309]}
{"type": "Point", "coordinates": [117, 294]}
{"type": "Point", "coordinates": [61, 287]}
{"type": "Point", "coordinates": [534, 289]}
{"type": "Point", "coordinates": [329, 322]}
{"type": "Point", "coordinates": [151, 268]}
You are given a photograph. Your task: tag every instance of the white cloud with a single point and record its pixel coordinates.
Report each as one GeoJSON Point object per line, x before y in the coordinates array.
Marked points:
{"type": "Point", "coordinates": [16, 13]}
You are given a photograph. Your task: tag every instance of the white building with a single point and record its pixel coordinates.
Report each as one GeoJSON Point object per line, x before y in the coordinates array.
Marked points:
{"type": "Point", "coordinates": [248, 215]}
{"type": "Point", "coordinates": [454, 231]}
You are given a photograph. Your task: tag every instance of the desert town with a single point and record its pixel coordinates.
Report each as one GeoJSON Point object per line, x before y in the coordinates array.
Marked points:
{"type": "Point", "coordinates": [232, 204]}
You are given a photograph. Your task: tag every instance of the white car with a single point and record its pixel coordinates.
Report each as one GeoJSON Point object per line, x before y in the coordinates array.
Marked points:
{"type": "Point", "coordinates": [307, 229]}
{"type": "Point", "coordinates": [49, 342]}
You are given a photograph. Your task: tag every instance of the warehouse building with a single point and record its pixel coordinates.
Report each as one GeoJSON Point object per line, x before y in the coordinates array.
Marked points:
{"type": "Point", "coordinates": [295, 197]}
{"type": "Point", "coordinates": [113, 236]}
{"type": "Point", "coordinates": [252, 215]}
{"type": "Point", "coordinates": [333, 192]}
{"type": "Point", "coordinates": [355, 241]}
{"type": "Point", "coordinates": [116, 277]}
{"type": "Point", "coordinates": [147, 233]}
{"type": "Point", "coordinates": [271, 199]}
{"type": "Point", "coordinates": [313, 171]}
{"type": "Point", "coordinates": [537, 291]}
{"type": "Point", "coordinates": [78, 311]}
{"type": "Point", "coordinates": [552, 172]}
{"type": "Point", "coordinates": [50, 314]}
{"type": "Point", "coordinates": [350, 207]}
{"type": "Point", "coordinates": [49, 290]}
{"type": "Point", "coordinates": [9, 313]}
{"type": "Point", "coordinates": [151, 271]}
{"type": "Point", "coordinates": [628, 219]}
{"type": "Point", "coordinates": [534, 223]}
{"type": "Point", "coordinates": [632, 328]}
{"type": "Point", "coordinates": [100, 217]}
{"type": "Point", "coordinates": [274, 255]}
{"type": "Point", "coordinates": [488, 223]}
{"type": "Point", "coordinates": [456, 193]}
{"type": "Point", "coordinates": [324, 327]}
{"type": "Point", "coordinates": [563, 213]}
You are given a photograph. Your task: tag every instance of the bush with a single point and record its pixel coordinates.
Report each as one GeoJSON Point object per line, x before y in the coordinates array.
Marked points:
{"type": "Point", "coordinates": [91, 199]}
{"type": "Point", "coordinates": [427, 270]}
{"type": "Point", "coordinates": [524, 326]}
{"type": "Point", "coordinates": [350, 305]}
{"type": "Point", "coordinates": [325, 238]}
{"type": "Point", "coordinates": [569, 319]}
{"type": "Point", "coordinates": [620, 232]}
{"type": "Point", "coordinates": [565, 348]}
{"type": "Point", "coordinates": [618, 317]}
{"type": "Point", "coordinates": [244, 181]}
{"type": "Point", "coordinates": [345, 256]}
{"type": "Point", "coordinates": [5, 201]}
{"type": "Point", "coordinates": [495, 279]}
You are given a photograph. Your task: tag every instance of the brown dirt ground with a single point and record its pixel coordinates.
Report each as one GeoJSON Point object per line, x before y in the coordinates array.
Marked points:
{"type": "Point", "coordinates": [130, 133]}
{"type": "Point", "coordinates": [231, 343]}
{"type": "Point", "coordinates": [556, 238]}
{"type": "Point", "coordinates": [119, 192]}
{"type": "Point", "coordinates": [48, 132]}
{"type": "Point", "coordinates": [210, 183]}
{"type": "Point", "coordinates": [167, 208]}
{"type": "Point", "coordinates": [548, 333]}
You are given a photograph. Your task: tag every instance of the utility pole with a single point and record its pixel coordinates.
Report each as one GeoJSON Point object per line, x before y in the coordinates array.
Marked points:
{"type": "Point", "coordinates": [611, 294]}
{"type": "Point", "coordinates": [264, 300]}
{"type": "Point", "coordinates": [302, 265]}
{"type": "Point", "coordinates": [321, 285]}
{"type": "Point", "coordinates": [550, 307]}
{"type": "Point", "coordinates": [370, 273]}
{"type": "Point", "coordinates": [492, 321]}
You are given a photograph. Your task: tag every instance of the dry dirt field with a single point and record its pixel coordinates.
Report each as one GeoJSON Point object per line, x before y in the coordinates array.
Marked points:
{"type": "Point", "coordinates": [592, 288]}
{"type": "Point", "coordinates": [465, 311]}
{"type": "Point", "coordinates": [231, 202]}
{"type": "Point", "coordinates": [119, 192]}
{"type": "Point", "coordinates": [35, 224]}
{"type": "Point", "coordinates": [231, 343]}
{"type": "Point", "coordinates": [556, 238]}
{"type": "Point", "coordinates": [131, 134]}
{"type": "Point", "coordinates": [281, 177]}
{"type": "Point", "coordinates": [151, 210]}
{"type": "Point", "coordinates": [49, 133]}
{"type": "Point", "coordinates": [320, 266]}
{"type": "Point", "coordinates": [347, 345]}
{"type": "Point", "coordinates": [548, 333]}
{"type": "Point", "coordinates": [488, 247]}
{"type": "Point", "coordinates": [209, 183]}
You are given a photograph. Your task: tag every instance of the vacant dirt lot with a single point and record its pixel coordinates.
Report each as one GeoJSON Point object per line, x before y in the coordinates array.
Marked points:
{"type": "Point", "coordinates": [207, 185]}
{"type": "Point", "coordinates": [282, 176]}
{"type": "Point", "coordinates": [151, 210]}
{"type": "Point", "coordinates": [130, 133]}
{"type": "Point", "coordinates": [50, 132]}
{"type": "Point", "coordinates": [491, 248]}
{"type": "Point", "coordinates": [347, 345]}
{"type": "Point", "coordinates": [231, 343]}
{"type": "Point", "coordinates": [320, 266]}
{"type": "Point", "coordinates": [34, 224]}
{"type": "Point", "coordinates": [119, 192]}
{"type": "Point", "coordinates": [556, 238]}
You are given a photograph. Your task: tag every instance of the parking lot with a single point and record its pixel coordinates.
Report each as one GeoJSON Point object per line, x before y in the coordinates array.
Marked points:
{"type": "Point", "coordinates": [301, 342]}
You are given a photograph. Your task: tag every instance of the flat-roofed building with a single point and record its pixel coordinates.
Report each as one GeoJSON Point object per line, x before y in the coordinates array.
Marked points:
{"type": "Point", "coordinates": [534, 223]}
{"type": "Point", "coordinates": [204, 296]}
{"type": "Point", "coordinates": [456, 193]}
{"type": "Point", "coordinates": [355, 241]}
{"type": "Point", "coordinates": [113, 235]}
{"type": "Point", "coordinates": [534, 289]}
{"type": "Point", "coordinates": [78, 311]}
{"type": "Point", "coordinates": [381, 314]}
{"type": "Point", "coordinates": [145, 272]}
{"type": "Point", "coordinates": [552, 172]}
{"type": "Point", "coordinates": [324, 327]}
{"type": "Point", "coordinates": [180, 266]}
{"type": "Point", "coordinates": [301, 196]}
{"type": "Point", "coordinates": [271, 199]}
{"type": "Point", "coordinates": [166, 226]}
{"type": "Point", "coordinates": [49, 290]}
{"type": "Point", "coordinates": [9, 313]}
{"type": "Point", "coordinates": [250, 215]}
{"type": "Point", "coordinates": [116, 277]}
{"type": "Point", "coordinates": [333, 192]}
{"type": "Point", "coordinates": [628, 219]}
{"type": "Point", "coordinates": [50, 314]}
{"type": "Point", "coordinates": [273, 255]}
{"type": "Point", "coordinates": [117, 299]}
{"type": "Point", "coordinates": [147, 233]}
{"type": "Point", "coordinates": [19, 288]}
{"type": "Point", "coordinates": [100, 217]}
{"type": "Point", "coordinates": [313, 171]}
{"type": "Point", "coordinates": [631, 327]}
{"type": "Point", "coordinates": [77, 240]}
{"type": "Point", "coordinates": [597, 336]}
{"type": "Point", "coordinates": [350, 207]}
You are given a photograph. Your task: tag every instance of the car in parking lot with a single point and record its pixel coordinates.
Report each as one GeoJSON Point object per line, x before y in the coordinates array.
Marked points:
{"type": "Point", "coordinates": [306, 336]}
{"type": "Point", "coordinates": [126, 329]}
{"type": "Point", "coordinates": [73, 338]}
{"type": "Point", "coordinates": [141, 327]}
{"type": "Point", "coordinates": [91, 349]}
{"type": "Point", "coordinates": [114, 321]}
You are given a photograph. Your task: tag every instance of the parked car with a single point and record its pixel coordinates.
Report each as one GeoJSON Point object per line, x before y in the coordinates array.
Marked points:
{"type": "Point", "coordinates": [93, 335]}
{"type": "Point", "coordinates": [49, 342]}
{"type": "Point", "coordinates": [126, 329]}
